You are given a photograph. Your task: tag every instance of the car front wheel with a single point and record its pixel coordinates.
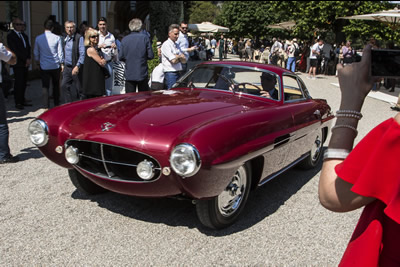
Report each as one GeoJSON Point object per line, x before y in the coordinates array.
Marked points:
{"type": "Point", "coordinates": [315, 153]}
{"type": "Point", "coordinates": [83, 184]}
{"type": "Point", "coordinates": [224, 209]}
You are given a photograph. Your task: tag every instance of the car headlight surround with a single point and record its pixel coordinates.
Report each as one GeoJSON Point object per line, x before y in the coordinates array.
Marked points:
{"type": "Point", "coordinates": [72, 155]}
{"type": "Point", "coordinates": [145, 170]}
{"type": "Point", "coordinates": [185, 160]}
{"type": "Point", "coordinates": [38, 132]}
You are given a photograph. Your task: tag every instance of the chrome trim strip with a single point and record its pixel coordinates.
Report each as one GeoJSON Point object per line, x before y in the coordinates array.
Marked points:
{"type": "Point", "coordinates": [113, 162]}
{"type": "Point", "coordinates": [103, 160]}
{"type": "Point", "coordinates": [114, 179]}
{"type": "Point", "coordinates": [80, 140]}
{"type": "Point", "coordinates": [283, 170]}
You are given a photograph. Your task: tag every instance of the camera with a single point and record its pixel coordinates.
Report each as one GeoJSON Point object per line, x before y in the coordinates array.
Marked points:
{"type": "Point", "coordinates": [4, 26]}
{"type": "Point", "coordinates": [385, 63]}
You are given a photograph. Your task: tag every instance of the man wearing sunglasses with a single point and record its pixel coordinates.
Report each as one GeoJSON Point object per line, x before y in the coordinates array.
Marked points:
{"type": "Point", "coordinates": [183, 43]}
{"type": "Point", "coordinates": [18, 42]}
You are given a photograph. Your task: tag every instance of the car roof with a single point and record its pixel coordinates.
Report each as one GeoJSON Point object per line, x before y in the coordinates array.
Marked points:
{"type": "Point", "coordinates": [276, 69]}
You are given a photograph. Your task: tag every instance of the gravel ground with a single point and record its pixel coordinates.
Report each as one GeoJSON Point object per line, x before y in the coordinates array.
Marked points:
{"type": "Point", "coordinates": [46, 222]}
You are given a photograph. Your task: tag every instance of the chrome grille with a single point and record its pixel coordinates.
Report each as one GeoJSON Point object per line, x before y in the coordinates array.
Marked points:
{"type": "Point", "coordinates": [111, 162]}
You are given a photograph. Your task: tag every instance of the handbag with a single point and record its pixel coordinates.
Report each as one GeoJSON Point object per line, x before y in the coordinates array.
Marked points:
{"type": "Point", "coordinates": [106, 73]}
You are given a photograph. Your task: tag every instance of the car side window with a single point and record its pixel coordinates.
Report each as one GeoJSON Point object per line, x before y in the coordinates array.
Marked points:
{"type": "Point", "coordinates": [292, 89]}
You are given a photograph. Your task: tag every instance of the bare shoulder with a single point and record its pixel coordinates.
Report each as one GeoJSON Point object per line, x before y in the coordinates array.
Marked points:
{"type": "Point", "coordinates": [91, 51]}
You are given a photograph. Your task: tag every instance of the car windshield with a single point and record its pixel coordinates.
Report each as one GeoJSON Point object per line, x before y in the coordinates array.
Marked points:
{"type": "Point", "coordinates": [234, 78]}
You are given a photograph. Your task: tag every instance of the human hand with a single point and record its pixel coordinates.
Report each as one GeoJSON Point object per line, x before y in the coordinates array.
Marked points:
{"type": "Point", "coordinates": [356, 81]}
{"type": "Point", "coordinates": [182, 58]}
{"type": "Point", "coordinates": [113, 45]}
{"type": "Point", "coordinates": [75, 70]}
{"type": "Point", "coordinates": [265, 94]}
{"type": "Point", "coordinates": [28, 62]}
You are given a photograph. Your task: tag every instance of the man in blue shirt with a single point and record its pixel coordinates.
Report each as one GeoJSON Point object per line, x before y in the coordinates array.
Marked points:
{"type": "Point", "coordinates": [183, 43]}
{"type": "Point", "coordinates": [135, 51]}
{"type": "Point", "coordinates": [74, 56]}
{"type": "Point", "coordinates": [49, 55]}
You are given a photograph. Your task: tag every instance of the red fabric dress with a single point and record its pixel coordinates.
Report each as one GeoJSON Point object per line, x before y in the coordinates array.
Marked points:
{"type": "Point", "coordinates": [373, 167]}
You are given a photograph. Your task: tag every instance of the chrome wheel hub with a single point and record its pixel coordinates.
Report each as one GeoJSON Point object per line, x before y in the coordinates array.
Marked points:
{"type": "Point", "coordinates": [230, 199]}
{"type": "Point", "coordinates": [316, 148]}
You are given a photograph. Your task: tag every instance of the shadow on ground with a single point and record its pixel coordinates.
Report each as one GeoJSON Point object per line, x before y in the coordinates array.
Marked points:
{"type": "Point", "coordinates": [30, 153]}
{"type": "Point", "coordinates": [262, 203]}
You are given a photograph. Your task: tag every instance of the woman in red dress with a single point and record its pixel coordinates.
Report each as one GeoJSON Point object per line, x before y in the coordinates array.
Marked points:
{"type": "Point", "coordinates": [368, 176]}
{"type": "Point", "coordinates": [305, 53]}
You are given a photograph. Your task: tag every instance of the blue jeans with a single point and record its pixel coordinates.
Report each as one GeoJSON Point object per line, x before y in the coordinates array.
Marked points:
{"type": "Point", "coordinates": [4, 148]}
{"type": "Point", "coordinates": [171, 78]}
{"type": "Point", "coordinates": [109, 81]}
{"type": "Point", "coordinates": [291, 64]}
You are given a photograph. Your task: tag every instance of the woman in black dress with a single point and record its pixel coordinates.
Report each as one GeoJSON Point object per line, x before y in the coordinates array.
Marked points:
{"type": "Point", "coordinates": [93, 74]}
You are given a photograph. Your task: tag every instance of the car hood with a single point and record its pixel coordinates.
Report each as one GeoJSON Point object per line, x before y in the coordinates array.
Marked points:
{"type": "Point", "coordinates": [136, 113]}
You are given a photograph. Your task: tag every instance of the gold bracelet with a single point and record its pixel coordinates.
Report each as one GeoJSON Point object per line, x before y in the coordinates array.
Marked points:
{"type": "Point", "coordinates": [345, 126]}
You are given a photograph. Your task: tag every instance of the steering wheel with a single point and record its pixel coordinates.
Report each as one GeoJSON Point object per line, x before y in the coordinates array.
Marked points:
{"type": "Point", "coordinates": [244, 89]}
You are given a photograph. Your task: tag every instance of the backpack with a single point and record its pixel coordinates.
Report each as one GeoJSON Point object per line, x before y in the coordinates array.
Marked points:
{"type": "Point", "coordinates": [296, 51]}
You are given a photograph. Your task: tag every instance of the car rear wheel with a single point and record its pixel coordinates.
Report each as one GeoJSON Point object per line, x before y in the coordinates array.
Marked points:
{"type": "Point", "coordinates": [315, 153]}
{"type": "Point", "coordinates": [83, 184]}
{"type": "Point", "coordinates": [224, 209]}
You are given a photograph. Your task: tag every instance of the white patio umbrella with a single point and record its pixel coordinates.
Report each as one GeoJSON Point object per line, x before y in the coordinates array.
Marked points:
{"type": "Point", "coordinates": [207, 27]}
{"type": "Point", "coordinates": [287, 25]}
{"type": "Point", "coordinates": [390, 17]}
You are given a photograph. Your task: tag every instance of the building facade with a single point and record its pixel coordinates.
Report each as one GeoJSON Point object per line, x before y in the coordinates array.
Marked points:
{"type": "Point", "coordinates": [34, 13]}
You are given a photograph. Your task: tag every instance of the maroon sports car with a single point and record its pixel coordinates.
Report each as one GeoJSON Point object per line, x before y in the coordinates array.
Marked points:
{"type": "Point", "coordinates": [224, 129]}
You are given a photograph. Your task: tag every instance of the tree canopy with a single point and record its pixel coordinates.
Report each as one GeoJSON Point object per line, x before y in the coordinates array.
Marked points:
{"type": "Point", "coordinates": [313, 18]}
{"type": "Point", "coordinates": [201, 11]}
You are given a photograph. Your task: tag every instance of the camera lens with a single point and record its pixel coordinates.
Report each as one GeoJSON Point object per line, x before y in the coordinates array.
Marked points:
{"type": "Point", "coordinates": [4, 26]}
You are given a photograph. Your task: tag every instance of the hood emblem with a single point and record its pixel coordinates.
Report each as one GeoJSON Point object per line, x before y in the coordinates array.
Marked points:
{"type": "Point", "coordinates": [107, 126]}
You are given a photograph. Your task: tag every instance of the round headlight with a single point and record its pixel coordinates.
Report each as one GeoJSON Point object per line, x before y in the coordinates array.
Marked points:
{"type": "Point", "coordinates": [145, 170]}
{"type": "Point", "coordinates": [71, 155]}
{"type": "Point", "coordinates": [185, 160]}
{"type": "Point", "coordinates": [38, 132]}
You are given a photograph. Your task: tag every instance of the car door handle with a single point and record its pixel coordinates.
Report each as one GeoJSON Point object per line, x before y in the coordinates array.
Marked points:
{"type": "Point", "coordinates": [281, 140]}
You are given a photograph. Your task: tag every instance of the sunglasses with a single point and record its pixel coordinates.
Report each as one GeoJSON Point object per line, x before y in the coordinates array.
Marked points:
{"type": "Point", "coordinates": [19, 24]}
{"type": "Point", "coordinates": [94, 36]}
{"type": "Point", "coordinates": [184, 28]}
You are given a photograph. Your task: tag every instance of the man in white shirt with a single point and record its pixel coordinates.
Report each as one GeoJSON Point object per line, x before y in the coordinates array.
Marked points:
{"type": "Point", "coordinates": [207, 44]}
{"type": "Point", "coordinates": [291, 63]}
{"type": "Point", "coordinates": [48, 53]}
{"type": "Point", "coordinates": [315, 51]}
{"type": "Point", "coordinates": [109, 49]}
{"type": "Point", "coordinates": [275, 51]}
{"type": "Point", "coordinates": [5, 157]}
{"type": "Point", "coordinates": [183, 43]}
{"type": "Point", "coordinates": [172, 56]}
